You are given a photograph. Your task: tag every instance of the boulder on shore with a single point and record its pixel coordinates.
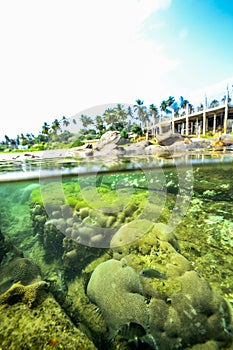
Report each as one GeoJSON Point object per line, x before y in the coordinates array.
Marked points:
{"type": "Point", "coordinates": [168, 138]}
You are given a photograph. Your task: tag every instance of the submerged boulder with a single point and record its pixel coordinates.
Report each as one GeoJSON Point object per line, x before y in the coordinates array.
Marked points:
{"type": "Point", "coordinates": [130, 232]}
{"type": "Point", "coordinates": [192, 315]}
{"type": "Point", "coordinates": [21, 269]}
{"type": "Point", "coordinates": [116, 289]}
{"type": "Point", "coordinates": [45, 326]}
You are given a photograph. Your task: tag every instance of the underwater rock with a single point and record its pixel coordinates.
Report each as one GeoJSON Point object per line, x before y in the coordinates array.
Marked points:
{"type": "Point", "coordinates": [6, 284]}
{"type": "Point", "coordinates": [164, 233]}
{"type": "Point", "coordinates": [193, 315]}
{"type": "Point", "coordinates": [66, 211]}
{"type": "Point", "coordinates": [31, 294]}
{"type": "Point", "coordinates": [76, 256]}
{"type": "Point", "coordinates": [209, 345]}
{"type": "Point", "coordinates": [39, 217]}
{"type": "Point", "coordinates": [116, 289]}
{"type": "Point", "coordinates": [46, 326]}
{"type": "Point", "coordinates": [130, 232]}
{"type": "Point", "coordinates": [8, 250]}
{"type": "Point", "coordinates": [3, 249]}
{"type": "Point", "coordinates": [177, 265]}
{"type": "Point", "coordinates": [21, 269]}
{"type": "Point", "coordinates": [54, 231]}
{"type": "Point", "coordinates": [25, 193]}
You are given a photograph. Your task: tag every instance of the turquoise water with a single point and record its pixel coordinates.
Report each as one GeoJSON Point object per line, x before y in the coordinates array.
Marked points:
{"type": "Point", "coordinates": [75, 237]}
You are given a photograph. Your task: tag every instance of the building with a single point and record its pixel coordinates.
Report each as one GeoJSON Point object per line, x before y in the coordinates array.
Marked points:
{"type": "Point", "coordinates": [208, 119]}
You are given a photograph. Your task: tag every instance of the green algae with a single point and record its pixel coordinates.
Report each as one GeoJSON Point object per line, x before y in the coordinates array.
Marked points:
{"type": "Point", "coordinates": [201, 242]}
{"type": "Point", "coordinates": [45, 327]}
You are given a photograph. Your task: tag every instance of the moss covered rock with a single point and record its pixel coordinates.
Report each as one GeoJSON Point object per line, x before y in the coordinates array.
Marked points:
{"type": "Point", "coordinates": [116, 289]}
{"type": "Point", "coordinates": [45, 326]}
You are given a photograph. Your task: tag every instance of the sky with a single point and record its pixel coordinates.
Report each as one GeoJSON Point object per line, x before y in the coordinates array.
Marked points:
{"type": "Point", "coordinates": [63, 57]}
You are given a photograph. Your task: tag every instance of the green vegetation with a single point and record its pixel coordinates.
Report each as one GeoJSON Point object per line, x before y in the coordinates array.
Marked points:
{"type": "Point", "coordinates": [131, 122]}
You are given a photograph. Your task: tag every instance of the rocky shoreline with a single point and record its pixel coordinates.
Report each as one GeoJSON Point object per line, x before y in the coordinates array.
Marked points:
{"type": "Point", "coordinates": [111, 144]}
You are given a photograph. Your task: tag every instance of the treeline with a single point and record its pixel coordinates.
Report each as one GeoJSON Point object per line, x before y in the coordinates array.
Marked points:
{"type": "Point", "coordinates": [130, 119]}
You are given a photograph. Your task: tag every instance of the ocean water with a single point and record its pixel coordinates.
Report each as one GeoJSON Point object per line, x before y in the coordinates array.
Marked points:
{"type": "Point", "coordinates": [131, 253]}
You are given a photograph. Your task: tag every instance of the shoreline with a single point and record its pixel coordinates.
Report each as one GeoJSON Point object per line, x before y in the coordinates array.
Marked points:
{"type": "Point", "coordinates": [111, 148]}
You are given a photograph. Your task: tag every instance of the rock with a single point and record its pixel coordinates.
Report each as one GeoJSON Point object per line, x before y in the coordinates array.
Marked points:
{"type": "Point", "coordinates": [110, 137]}
{"type": "Point", "coordinates": [178, 265]}
{"type": "Point", "coordinates": [164, 233]}
{"type": "Point", "coordinates": [25, 193]}
{"type": "Point", "coordinates": [3, 248]}
{"type": "Point", "coordinates": [109, 149]}
{"type": "Point", "coordinates": [53, 234]}
{"type": "Point", "coordinates": [21, 269]}
{"type": "Point", "coordinates": [45, 326]}
{"type": "Point", "coordinates": [81, 152]}
{"type": "Point", "coordinates": [199, 143]}
{"type": "Point", "coordinates": [30, 294]}
{"type": "Point", "coordinates": [217, 143]}
{"type": "Point", "coordinates": [227, 140]}
{"type": "Point", "coordinates": [76, 256]}
{"type": "Point", "coordinates": [209, 345]}
{"type": "Point", "coordinates": [130, 232]}
{"type": "Point", "coordinates": [107, 145]}
{"type": "Point", "coordinates": [138, 147]}
{"type": "Point", "coordinates": [168, 138]}
{"type": "Point", "coordinates": [116, 289]}
{"type": "Point", "coordinates": [153, 149]}
{"type": "Point", "coordinates": [195, 314]}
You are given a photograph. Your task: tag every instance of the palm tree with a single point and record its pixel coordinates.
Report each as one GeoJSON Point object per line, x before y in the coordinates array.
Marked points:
{"type": "Point", "coordinates": [163, 106]}
{"type": "Point", "coordinates": [86, 120]}
{"type": "Point", "coordinates": [214, 103]}
{"type": "Point", "coordinates": [129, 112]}
{"type": "Point", "coordinates": [153, 111]}
{"type": "Point", "coordinates": [65, 121]}
{"type": "Point", "coordinates": [17, 140]}
{"type": "Point", "coordinates": [170, 101]}
{"type": "Point", "coordinates": [200, 107]}
{"type": "Point", "coordinates": [55, 126]}
{"type": "Point", "coordinates": [141, 111]}
{"type": "Point", "coordinates": [191, 108]}
{"type": "Point", "coordinates": [99, 123]}
{"type": "Point", "coordinates": [121, 113]}
{"type": "Point", "coordinates": [45, 128]}
{"type": "Point", "coordinates": [8, 141]}
{"type": "Point", "coordinates": [23, 139]}
{"type": "Point", "coordinates": [183, 102]}
{"type": "Point", "coordinates": [110, 116]}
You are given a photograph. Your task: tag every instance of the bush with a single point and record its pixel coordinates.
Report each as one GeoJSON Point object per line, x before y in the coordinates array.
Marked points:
{"type": "Point", "coordinates": [77, 143]}
{"type": "Point", "coordinates": [136, 129]}
{"type": "Point", "coordinates": [39, 147]}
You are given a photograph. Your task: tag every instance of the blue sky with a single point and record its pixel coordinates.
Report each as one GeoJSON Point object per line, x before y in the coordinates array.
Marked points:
{"type": "Point", "coordinates": [198, 34]}
{"type": "Point", "coordinates": [64, 57]}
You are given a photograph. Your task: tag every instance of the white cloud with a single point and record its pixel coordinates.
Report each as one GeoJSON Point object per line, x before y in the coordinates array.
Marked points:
{"type": "Point", "coordinates": [61, 57]}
